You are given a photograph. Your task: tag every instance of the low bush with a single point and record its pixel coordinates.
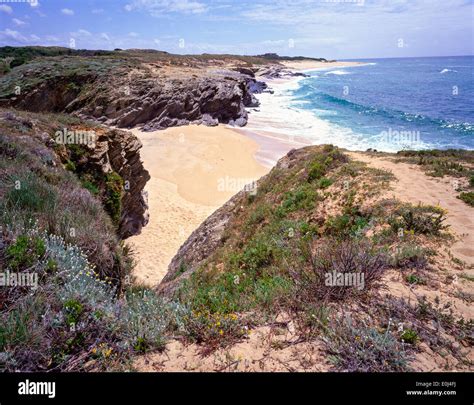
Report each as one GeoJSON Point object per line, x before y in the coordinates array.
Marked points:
{"type": "Point", "coordinates": [359, 348]}
{"type": "Point", "coordinates": [421, 219]}
{"type": "Point", "coordinates": [340, 269]}
{"type": "Point", "coordinates": [409, 256]}
{"type": "Point", "coordinates": [468, 198]}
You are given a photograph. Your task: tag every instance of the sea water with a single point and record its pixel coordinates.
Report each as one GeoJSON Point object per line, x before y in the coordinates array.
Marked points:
{"type": "Point", "coordinates": [385, 104]}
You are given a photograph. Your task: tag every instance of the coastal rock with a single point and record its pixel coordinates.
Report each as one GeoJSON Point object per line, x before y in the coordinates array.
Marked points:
{"type": "Point", "coordinates": [145, 99]}
{"type": "Point", "coordinates": [118, 151]}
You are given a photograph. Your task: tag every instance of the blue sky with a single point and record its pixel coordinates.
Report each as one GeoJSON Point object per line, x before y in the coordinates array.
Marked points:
{"type": "Point", "coordinates": [336, 29]}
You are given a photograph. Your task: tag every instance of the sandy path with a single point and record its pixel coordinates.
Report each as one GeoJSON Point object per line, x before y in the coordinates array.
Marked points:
{"type": "Point", "coordinates": [414, 186]}
{"type": "Point", "coordinates": [194, 170]}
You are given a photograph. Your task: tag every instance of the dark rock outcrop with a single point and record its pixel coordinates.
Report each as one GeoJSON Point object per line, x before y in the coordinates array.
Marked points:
{"type": "Point", "coordinates": [277, 72]}
{"type": "Point", "coordinates": [118, 151]}
{"type": "Point", "coordinates": [145, 98]}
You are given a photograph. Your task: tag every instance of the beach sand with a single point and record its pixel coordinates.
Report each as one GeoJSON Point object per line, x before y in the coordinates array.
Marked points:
{"type": "Point", "coordinates": [194, 170]}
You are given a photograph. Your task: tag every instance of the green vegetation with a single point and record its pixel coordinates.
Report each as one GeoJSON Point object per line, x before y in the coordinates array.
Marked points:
{"type": "Point", "coordinates": [468, 198]}
{"type": "Point", "coordinates": [24, 252]}
{"type": "Point", "coordinates": [421, 219]}
{"type": "Point", "coordinates": [113, 202]}
{"type": "Point", "coordinates": [410, 256]}
{"type": "Point", "coordinates": [318, 213]}
{"type": "Point", "coordinates": [362, 348]}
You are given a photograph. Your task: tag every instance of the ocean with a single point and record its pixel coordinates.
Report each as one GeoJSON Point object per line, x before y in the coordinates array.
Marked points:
{"type": "Point", "coordinates": [384, 104]}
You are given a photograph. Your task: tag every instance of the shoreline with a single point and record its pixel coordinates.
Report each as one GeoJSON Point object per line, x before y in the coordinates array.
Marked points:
{"type": "Point", "coordinates": [194, 170]}
{"type": "Point", "coordinates": [186, 164]}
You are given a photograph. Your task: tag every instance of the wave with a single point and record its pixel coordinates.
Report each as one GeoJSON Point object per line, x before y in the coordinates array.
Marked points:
{"type": "Point", "coordinates": [448, 70]}
{"type": "Point", "coordinates": [394, 114]}
{"type": "Point", "coordinates": [337, 72]}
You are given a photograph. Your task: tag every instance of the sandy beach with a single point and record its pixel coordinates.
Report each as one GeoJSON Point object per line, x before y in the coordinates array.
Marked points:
{"type": "Point", "coordinates": [194, 170]}
{"type": "Point", "coordinates": [310, 64]}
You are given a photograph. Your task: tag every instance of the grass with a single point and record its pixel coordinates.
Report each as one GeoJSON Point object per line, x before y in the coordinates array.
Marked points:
{"type": "Point", "coordinates": [319, 214]}
{"type": "Point", "coordinates": [468, 198]}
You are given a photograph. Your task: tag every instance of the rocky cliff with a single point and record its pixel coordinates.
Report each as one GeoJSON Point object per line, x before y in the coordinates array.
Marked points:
{"type": "Point", "coordinates": [118, 152]}
{"type": "Point", "coordinates": [109, 165]}
{"type": "Point", "coordinates": [135, 89]}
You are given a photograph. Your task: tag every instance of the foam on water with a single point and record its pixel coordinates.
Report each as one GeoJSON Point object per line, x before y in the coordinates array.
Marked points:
{"type": "Point", "coordinates": [383, 109]}
{"type": "Point", "coordinates": [277, 115]}
{"type": "Point", "coordinates": [337, 72]}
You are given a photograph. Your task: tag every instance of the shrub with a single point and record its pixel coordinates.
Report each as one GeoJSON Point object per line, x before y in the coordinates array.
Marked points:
{"type": "Point", "coordinates": [468, 198]}
{"type": "Point", "coordinates": [143, 321]}
{"type": "Point", "coordinates": [364, 349]}
{"type": "Point", "coordinates": [70, 166]}
{"type": "Point", "coordinates": [303, 198]}
{"type": "Point", "coordinates": [351, 262]}
{"type": "Point", "coordinates": [24, 252]}
{"type": "Point", "coordinates": [113, 202]}
{"type": "Point", "coordinates": [409, 257]}
{"type": "Point", "coordinates": [409, 336]}
{"type": "Point", "coordinates": [413, 279]}
{"type": "Point", "coordinates": [31, 195]}
{"type": "Point", "coordinates": [345, 225]}
{"type": "Point", "coordinates": [421, 219]}
{"type": "Point", "coordinates": [324, 182]}
{"type": "Point", "coordinates": [257, 254]}
{"type": "Point", "coordinates": [213, 328]}
{"type": "Point", "coordinates": [316, 170]}
{"type": "Point", "coordinates": [73, 310]}
{"type": "Point", "coordinates": [88, 185]}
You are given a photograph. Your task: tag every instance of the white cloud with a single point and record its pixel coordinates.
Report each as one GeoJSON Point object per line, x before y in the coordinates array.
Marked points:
{"type": "Point", "coordinates": [67, 11]}
{"type": "Point", "coordinates": [81, 33]}
{"type": "Point", "coordinates": [105, 36]}
{"type": "Point", "coordinates": [133, 34]}
{"type": "Point", "coordinates": [12, 35]}
{"type": "Point", "coordinates": [5, 9]}
{"type": "Point", "coordinates": [157, 8]}
{"type": "Point", "coordinates": [35, 37]}
{"type": "Point", "coordinates": [18, 22]}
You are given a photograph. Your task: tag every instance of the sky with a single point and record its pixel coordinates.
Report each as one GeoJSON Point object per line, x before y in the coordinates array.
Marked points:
{"type": "Point", "coordinates": [333, 29]}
